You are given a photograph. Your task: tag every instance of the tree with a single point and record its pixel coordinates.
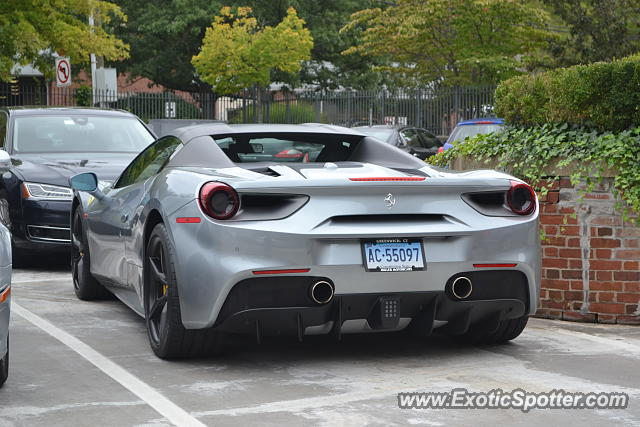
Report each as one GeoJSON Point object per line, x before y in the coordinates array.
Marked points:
{"type": "Point", "coordinates": [596, 30]}
{"type": "Point", "coordinates": [452, 41]}
{"type": "Point", "coordinates": [32, 31]}
{"type": "Point", "coordinates": [237, 53]}
{"type": "Point", "coordinates": [164, 35]}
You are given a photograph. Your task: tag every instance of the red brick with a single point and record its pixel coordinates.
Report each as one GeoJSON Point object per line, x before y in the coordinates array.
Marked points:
{"type": "Point", "coordinates": [565, 183]}
{"type": "Point", "coordinates": [575, 264]}
{"type": "Point", "coordinates": [629, 320]}
{"type": "Point", "coordinates": [606, 297]}
{"type": "Point", "coordinates": [604, 275]}
{"type": "Point", "coordinates": [572, 295]}
{"type": "Point", "coordinates": [554, 262]}
{"type": "Point", "coordinates": [605, 318]}
{"type": "Point", "coordinates": [553, 197]}
{"type": "Point", "coordinates": [628, 254]}
{"type": "Point", "coordinates": [604, 243]}
{"type": "Point", "coordinates": [550, 230]}
{"type": "Point", "coordinates": [603, 253]}
{"type": "Point", "coordinates": [628, 298]}
{"type": "Point", "coordinates": [571, 274]}
{"type": "Point", "coordinates": [570, 220]}
{"type": "Point", "coordinates": [567, 210]}
{"type": "Point", "coordinates": [605, 231]}
{"type": "Point", "coordinates": [549, 208]}
{"type": "Point", "coordinates": [626, 276]}
{"type": "Point", "coordinates": [555, 284]}
{"type": "Point", "coordinates": [552, 273]}
{"type": "Point", "coordinates": [632, 287]}
{"type": "Point", "coordinates": [572, 242]}
{"type": "Point", "coordinates": [601, 264]}
{"type": "Point", "coordinates": [628, 232]}
{"type": "Point", "coordinates": [631, 265]}
{"type": "Point", "coordinates": [631, 243]}
{"type": "Point", "coordinates": [558, 305]}
{"type": "Point", "coordinates": [631, 309]}
{"type": "Point", "coordinates": [552, 219]}
{"type": "Point", "coordinates": [555, 295]}
{"type": "Point", "coordinates": [549, 184]}
{"type": "Point", "coordinates": [577, 285]}
{"type": "Point", "coordinates": [549, 314]}
{"type": "Point", "coordinates": [605, 286]}
{"type": "Point", "coordinates": [603, 220]}
{"type": "Point", "coordinates": [610, 308]}
{"type": "Point", "coordinates": [597, 196]}
{"type": "Point", "coordinates": [550, 252]}
{"type": "Point", "coordinates": [570, 230]}
{"type": "Point", "coordinates": [578, 317]}
{"type": "Point", "coordinates": [570, 253]}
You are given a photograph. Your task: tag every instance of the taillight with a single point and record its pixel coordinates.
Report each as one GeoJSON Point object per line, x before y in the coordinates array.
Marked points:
{"type": "Point", "coordinates": [440, 149]}
{"type": "Point", "coordinates": [521, 198]}
{"type": "Point", "coordinates": [219, 200]}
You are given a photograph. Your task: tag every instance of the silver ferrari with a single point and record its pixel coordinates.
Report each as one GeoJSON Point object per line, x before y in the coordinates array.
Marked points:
{"type": "Point", "coordinates": [304, 229]}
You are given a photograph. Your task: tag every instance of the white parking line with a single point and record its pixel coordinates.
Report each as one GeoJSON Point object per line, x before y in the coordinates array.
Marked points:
{"type": "Point", "coordinates": [148, 394]}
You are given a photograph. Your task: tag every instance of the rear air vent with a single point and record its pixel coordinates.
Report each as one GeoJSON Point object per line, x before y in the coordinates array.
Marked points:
{"type": "Point", "coordinates": [406, 218]}
{"type": "Point", "coordinates": [255, 207]}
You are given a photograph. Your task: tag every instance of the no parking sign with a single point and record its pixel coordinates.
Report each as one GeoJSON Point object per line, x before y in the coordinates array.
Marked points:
{"type": "Point", "coordinates": [63, 72]}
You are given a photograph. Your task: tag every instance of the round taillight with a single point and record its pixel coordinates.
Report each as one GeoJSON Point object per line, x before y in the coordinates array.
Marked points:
{"type": "Point", "coordinates": [521, 198]}
{"type": "Point", "coordinates": [219, 200]}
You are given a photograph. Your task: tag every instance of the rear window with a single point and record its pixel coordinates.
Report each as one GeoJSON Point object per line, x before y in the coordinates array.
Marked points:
{"type": "Point", "coordinates": [287, 148]}
{"type": "Point", "coordinates": [463, 132]}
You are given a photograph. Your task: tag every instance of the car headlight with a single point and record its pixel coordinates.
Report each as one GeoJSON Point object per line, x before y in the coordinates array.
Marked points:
{"type": "Point", "coordinates": [35, 191]}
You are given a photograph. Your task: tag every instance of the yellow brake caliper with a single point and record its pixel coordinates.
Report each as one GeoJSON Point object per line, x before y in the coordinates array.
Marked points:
{"type": "Point", "coordinates": [165, 289]}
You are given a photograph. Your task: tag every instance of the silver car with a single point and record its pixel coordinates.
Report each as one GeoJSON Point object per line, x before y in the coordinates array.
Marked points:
{"type": "Point", "coordinates": [204, 235]}
{"type": "Point", "coordinates": [5, 301]}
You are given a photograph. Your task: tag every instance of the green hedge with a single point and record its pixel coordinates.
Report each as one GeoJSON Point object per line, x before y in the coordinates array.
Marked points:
{"type": "Point", "coordinates": [533, 153]}
{"type": "Point", "coordinates": [602, 95]}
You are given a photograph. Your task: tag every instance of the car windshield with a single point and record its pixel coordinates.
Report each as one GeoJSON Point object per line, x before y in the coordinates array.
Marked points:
{"type": "Point", "coordinates": [382, 134]}
{"type": "Point", "coordinates": [462, 132]}
{"type": "Point", "coordinates": [287, 148]}
{"type": "Point", "coordinates": [79, 134]}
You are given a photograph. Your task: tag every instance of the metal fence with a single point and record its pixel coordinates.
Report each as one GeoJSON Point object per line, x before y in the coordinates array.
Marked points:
{"type": "Point", "coordinates": [437, 109]}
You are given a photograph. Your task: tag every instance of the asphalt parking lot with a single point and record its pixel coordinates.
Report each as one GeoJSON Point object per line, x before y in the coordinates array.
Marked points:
{"type": "Point", "coordinates": [79, 363]}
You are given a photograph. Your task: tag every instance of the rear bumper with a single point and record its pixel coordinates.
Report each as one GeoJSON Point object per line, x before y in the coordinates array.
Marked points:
{"type": "Point", "coordinates": [283, 306]}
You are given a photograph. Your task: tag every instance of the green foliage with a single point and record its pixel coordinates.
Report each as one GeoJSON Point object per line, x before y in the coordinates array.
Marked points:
{"type": "Point", "coordinates": [603, 95]}
{"type": "Point", "coordinates": [236, 53]}
{"type": "Point", "coordinates": [538, 153]}
{"type": "Point", "coordinates": [31, 30]}
{"type": "Point", "coordinates": [597, 30]}
{"type": "Point", "coordinates": [460, 41]}
{"type": "Point", "coordinates": [164, 35]}
{"type": "Point", "coordinates": [299, 112]}
{"type": "Point", "coordinates": [149, 106]}
{"type": "Point", "coordinates": [83, 96]}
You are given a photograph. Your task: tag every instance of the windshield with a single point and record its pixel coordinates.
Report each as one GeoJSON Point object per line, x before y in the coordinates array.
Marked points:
{"type": "Point", "coordinates": [285, 148]}
{"type": "Point", "coordinates": [382, 134]}
{"type": "Point", "coordinates": [79, 134]}
{"type": "Point", "coordinates": [462, 132]}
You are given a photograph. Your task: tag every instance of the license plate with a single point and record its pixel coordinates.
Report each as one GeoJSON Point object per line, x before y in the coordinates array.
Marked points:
{"type": "Point", "coordinates": [393, 255]}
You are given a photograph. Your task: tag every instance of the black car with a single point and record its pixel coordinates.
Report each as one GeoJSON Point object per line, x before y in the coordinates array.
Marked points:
{"type": "Point", "coordinates": [46, 147]}
{"type": "Point", "coordinates": [417, 141]}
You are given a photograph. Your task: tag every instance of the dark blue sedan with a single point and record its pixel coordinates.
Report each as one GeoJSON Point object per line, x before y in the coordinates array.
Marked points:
{"type": "Point", "coordinates": [470, 128]}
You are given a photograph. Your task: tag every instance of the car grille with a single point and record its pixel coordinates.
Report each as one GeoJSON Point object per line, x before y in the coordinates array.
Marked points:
{"type": "Point", "coordinates": [48, 233]}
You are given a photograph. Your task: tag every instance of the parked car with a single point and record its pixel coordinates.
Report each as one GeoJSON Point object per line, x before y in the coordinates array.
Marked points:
{"type": "Point", "coordinates": [47, 146]}
{"type": "Point", "coordinates": [471, 128]}
{"type": "Point", "coordinates": [5, 301]}
{"type": "Point", "coordinates": [419, 142]}
{"type": "Point", "coordinates": [364, 238]}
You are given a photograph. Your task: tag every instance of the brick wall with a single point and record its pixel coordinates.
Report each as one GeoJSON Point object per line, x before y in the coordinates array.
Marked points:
{"type": "Point", "coordinates": [590, 259]}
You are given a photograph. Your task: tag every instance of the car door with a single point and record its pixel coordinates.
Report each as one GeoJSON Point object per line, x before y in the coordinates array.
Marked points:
{"type": "Point", "coordinates": [134, 186]}
{"type": "Point", "coordinates": [429, 141]}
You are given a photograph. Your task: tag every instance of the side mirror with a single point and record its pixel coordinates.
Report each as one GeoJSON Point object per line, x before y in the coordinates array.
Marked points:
{"type": "Point", "coordinates": [84, 182]}
{"type": "Point", "coordinates": [5, 160]}
{"type": "Point", "coordinates": [87, 182]}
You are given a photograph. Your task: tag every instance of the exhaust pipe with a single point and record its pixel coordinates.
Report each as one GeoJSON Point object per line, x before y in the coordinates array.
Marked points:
{"type": "Point", "coordinates": [461, 287]}
{"type": "Point", "coordinates": [321, 292]}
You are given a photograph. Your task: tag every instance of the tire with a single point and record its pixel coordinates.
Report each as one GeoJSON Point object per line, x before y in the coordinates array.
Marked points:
{"type": "Point", "coordinates": [168, 337]}
{"type": "Point", "coordinates": [86, 287]}
{"type": "Point", "coordinates": [4, 366]}
{"type": "Point", "coordinates": [507, 330]}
